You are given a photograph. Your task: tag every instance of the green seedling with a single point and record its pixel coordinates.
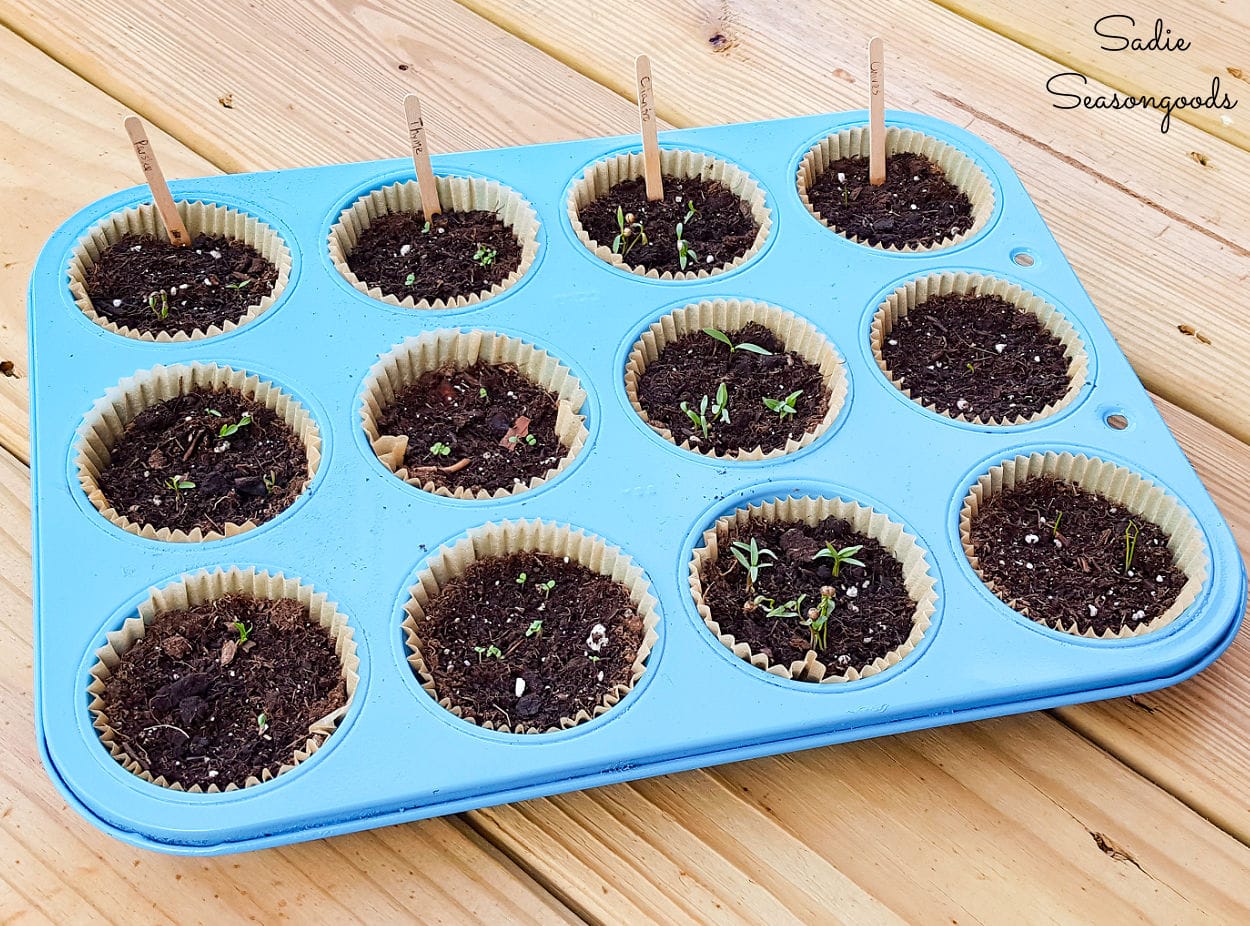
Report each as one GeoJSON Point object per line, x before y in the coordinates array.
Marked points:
{"type": "Point", "coordinates": [535, 629]}
{"type": "Point", "coordinates": [241, 284]}
{"type": "Point", "coordinates": [439, 449]}
{"type": "Point", "coordinates": [817, 622]}
{"type": "Point", "coordinates": [179, 484]}
{"type": "Point", "coordinates": [845, 555]}
{"type": "Point", "coordinates": [158, 302]}
{"type": "Point", "coordinates": [709, 412]}
{"type": "Point", "coordinates": [629, 233]}
{"type": "Point", "coordinates": [262, 723]}
{"type": "Point", "coordinates": [685, 254]}
{"type": "Point", "coordinates": [229, 430]}
{"type": "Point", "coordinates": [748, 555]}
{"type": "Point", "coordinates": [1054, 528]}
{"type": "Point", "coordinates": [490, 652]}
{"type": "Point", "coordinates": [1130, 544]}
{"type": "Point", "coordinates": [483, 394]}
{"type": "Point", "coordinates": [242, 630]}
{"type": "Point", "coordinates": [410, 279]}
{"type": "Point", "coordinates": [784, 406]}
{"type": "Point", "coordinates": [717, 334]}
{"type": "Point", "coordinates": [271, 482]}
{"type": "Point", "coordinates": [520, 580]}
{"type": "Point", "coordinates": [593, 658]}
{"type": "Point", "coordinates": [546, 587]}
{"type": "Point", "coordinates": [791, 608]}
{"type": "Point", "coordinates": [691, 211]}
{"type": "Point", "coordinates": [425, 229]}
{"type": "Point", "coordinates": [214, 413]}
{"type": "Point", "coordinates": [484, 256]}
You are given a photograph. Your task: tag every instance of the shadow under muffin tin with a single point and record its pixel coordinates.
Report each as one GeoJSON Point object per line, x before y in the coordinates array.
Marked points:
{"type": "Point", "coordinates": [361, 536]}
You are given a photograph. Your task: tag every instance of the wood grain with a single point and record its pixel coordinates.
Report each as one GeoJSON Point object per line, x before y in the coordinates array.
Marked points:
{"type": "Point", "coordinates": [1158, 239]}
{"type": "Point", "coordinates": [1064, 31]}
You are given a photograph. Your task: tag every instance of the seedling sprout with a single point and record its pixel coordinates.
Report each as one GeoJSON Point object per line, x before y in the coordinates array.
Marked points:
{"type": "Point", "coordinates": [1130, 544]}
{"type": "Point", "coordinates": [717, 334]}
{"type": "Point", "coordinates": [179, 484]}
{"type": "Point", "coordinates": [630, 231]}
{"type": "Point", "coordinates": [262, 723]}
{"type": "Point", "coordinates": [685, 254]}
{"type": "Point", "coordinates": [547, 587]}
{"type": "Point", "coordinates": [229, 430]}
{"type": "Point", "coordinates": [484, 256]}
{"type": "Point", "coordinates": [159, 307]}
{"type": "Point", "coordinates": [535, 629]}
{"type": "Point", "coordinates": [709, 412]}
{"type": "Point", "coordinates": [243, 630]}
{"type": "Point", "coordinates": [845, 555]}
{"type": "Point", "coordinates": [439, 449]}
{"type": "Point", "coordinates": [748, 554]}
{"type": "Point", "coordinates": [783, 407]}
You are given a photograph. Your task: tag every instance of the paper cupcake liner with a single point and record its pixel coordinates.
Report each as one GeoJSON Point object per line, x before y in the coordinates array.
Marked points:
{"type": "Point", "coordinates": [455, 194]}
{"type": "Point", "coordinates": [505, 538]}
{"type": "Point", "coordinates": [1118, 485]}
{"type": "Point", "coordinates": [194, 590]}
{"type": "Point", "coordinates": [795, 333]}
{"type": "Point", "coordinates": [407, 362]}
{"type": "Point", "coordinates": [106, 423]}
{"type": "Point", "coordinates": [811, 510]}
{"type": "Point", "coordinates": [961, 171]}
{"type": "Point", "coordinates": [201, 219]}
{"type": "Point", "coordinates": [601, 176]}
{"type": "Point", "coordinates": [919, 291]}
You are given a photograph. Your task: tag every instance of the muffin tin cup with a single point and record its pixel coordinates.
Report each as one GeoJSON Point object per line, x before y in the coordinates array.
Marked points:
{"type": "Point", "coordinates": [961, 171]}
{"type": "Point", "coordinates": [796, 334]}
{"type": "Point", "coordinates": [599, 178]}
{"type": "Point", "coordinates": [455, 194]}
{"type": "Point", "coordinates": [451, 347]}
{"type": "Point", "coordinates": [916, 292]}
{"type": "Point", "coordinates": [194, 590]}
{"type": "Point", "coordinates": [1118, 485]}
{"type": "Point", "coordinates": [917, 578]}
{"type": "Point", "coordinates": [105, 424]}
{"type": "Point", "coordinates": [201, 219]}
{"type": "Point", "coordinates": [508, 537]}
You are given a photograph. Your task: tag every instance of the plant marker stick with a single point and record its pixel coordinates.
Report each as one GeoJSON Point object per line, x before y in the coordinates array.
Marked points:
{"type": "Point", "coordinates": [177, 231]}
{"type": "Point", "coordinates": [421, 157]}
{"type": "Point", "coordinates": [876, 112]}
{"type": "Point", "coordinates": [650, 144]}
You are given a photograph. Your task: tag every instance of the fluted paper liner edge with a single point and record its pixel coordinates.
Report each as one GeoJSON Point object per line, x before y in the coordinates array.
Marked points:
{"type": "Point", "coordinates": [530, 536]}
{"type": "Point", "coordinates": [961, 171]}
{"type": "Point", "coordinates": [917, 578]}
{"type": "Point", "coordinates": [455, 194]}
{"type": "Point", "coordinates": [201, 219]}
{"type": "Point", "coordinates": [916, 292]}
{"type": "Point", "coordinates": [795, 333]}
{"type": "Point", "coordinates": [407, 362]}
{"type": "Point", "coordinates": [599, 178]}
{"type": "Point", "coordinates": [193, 590]}
{"type": "Point", "coordinates": [106, 422]}
{"type": "Point", "coordinates": [1118, 485]}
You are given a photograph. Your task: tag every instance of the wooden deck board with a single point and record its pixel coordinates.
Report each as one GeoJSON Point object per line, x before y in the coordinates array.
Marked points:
{"type": "Point", "coordinates": [978, 822]}
{"type": "Point", "coordinates": [1064, 31]}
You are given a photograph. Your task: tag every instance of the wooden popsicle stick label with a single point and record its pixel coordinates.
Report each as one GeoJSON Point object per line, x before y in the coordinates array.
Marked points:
{"type": "Point", "coordinates": [876, 112]}
{"type": "Point", "coordinates": [650, 142]}
{"type": "Point", "coordinates": [421, 157]}
{"type": "Point", "coordinates": [161, 197]}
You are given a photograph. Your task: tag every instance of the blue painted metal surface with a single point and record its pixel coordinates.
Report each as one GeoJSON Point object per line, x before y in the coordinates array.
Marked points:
{"type": "Point", "coordinates": [359, 534]}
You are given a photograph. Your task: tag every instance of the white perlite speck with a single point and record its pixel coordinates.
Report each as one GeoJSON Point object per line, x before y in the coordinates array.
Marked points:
{"type": "Point", "coordinates": [520, 687]}
{"type": "Point", "coordinates": [403, 251]}
{"type": "Point", "coordinates": [598, 637]}
{"type": "Point", "coordinates": [215, 255]}
{"type": "Point", "coordinates": [117, 303]}
{"type": "Point", "coordinates": [1093, 611]}
{"type": "Point", "coordinates": [1031, 538]}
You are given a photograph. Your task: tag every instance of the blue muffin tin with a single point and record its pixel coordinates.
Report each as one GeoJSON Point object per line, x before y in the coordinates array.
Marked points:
{"type": "Point", "coordinates": [360, 534]}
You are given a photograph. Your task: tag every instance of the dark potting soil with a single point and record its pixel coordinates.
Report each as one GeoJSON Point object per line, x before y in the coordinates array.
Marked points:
{"type": "Point", "coordinates": [528, 639]}
{"type": "Point", "coordinates": [150, 285]}
{"type": "Point", "coordinates": [977, 356]}
{"type": "Point", "coordinates": [695, 366]}
{"type": "Point", "coordinates": [868, 610]}
{"type": "Point", "coordinates": [204, 459]}
{"type": "Point", "coordinates": [454, 254]}
{"type": "Point", "coordinates": [719, 230]}
{"type": "Point", "coordinates": [915, 206]}
{"type": "Point", "coordinates": [192, 703]}
{"type": "Point", "coordinates": [484, 427]}
{"type": "Point", "coordinates": [1055, 552]}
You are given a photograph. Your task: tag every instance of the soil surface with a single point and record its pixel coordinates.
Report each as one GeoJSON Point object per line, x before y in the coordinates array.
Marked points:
{"type": "Point", "coordinates": [455, 254]}
{"type": "Point", "coordinates": [507, 646]}
{"type": "Point", "coordinates": [192, 703]}
{"type": "Point", "coordinates": [868, 612]}
{"type": "Point", "coordinates": [977, 356]}
{"type": "Point", "coordinates": [915, 206]}
{"type": "Point", "coordinates": [1055, 552]}
{"type": "Point", "coordinates": [150, 285]}
{"type": "Point", "coordinates": [484, 427]}
{"type": "Point", "coordinates": [719, 230]}
{"type": "Point", "coordinates": [696, 365]}
{"type": "Point", "coordinates": [204, 459]}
